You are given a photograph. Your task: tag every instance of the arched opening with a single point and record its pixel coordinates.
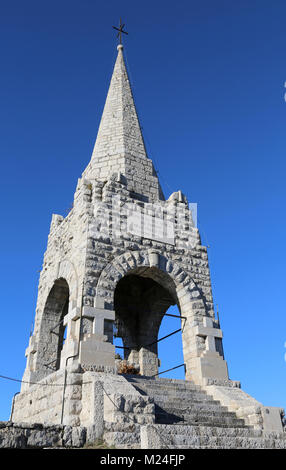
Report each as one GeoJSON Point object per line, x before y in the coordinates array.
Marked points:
{"type": "Point", "coordinates": [53, 329]}
{"type": "Point", "coordinates": [141, 299]}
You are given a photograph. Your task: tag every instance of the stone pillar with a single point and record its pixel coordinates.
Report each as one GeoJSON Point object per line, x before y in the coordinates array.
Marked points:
{"type": "Point", "coordinates": [93, 401]}
{"type": "Point", "coordinates": [133, 357]}
{"type": "Point", "coordinates": [208, 363]}
{"type": "Point", "coordinates": [72, 397]}
{"type": "Point", "coordinates": [148, 362]}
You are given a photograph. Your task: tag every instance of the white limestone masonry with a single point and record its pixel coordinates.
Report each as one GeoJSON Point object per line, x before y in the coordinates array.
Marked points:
{"type": "Point", "coordinates": [113, 266]}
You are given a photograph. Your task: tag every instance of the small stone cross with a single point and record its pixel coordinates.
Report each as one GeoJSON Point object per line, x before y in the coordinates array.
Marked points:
{"type": "Point", "coordinates": [72, 315]}
{"type": "Point", "coordinates": [209, 332]}
{"type": "Point", "coordinates": [98, 315]}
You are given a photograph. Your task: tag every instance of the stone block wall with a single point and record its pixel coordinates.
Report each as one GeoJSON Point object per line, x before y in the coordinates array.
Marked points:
{"type": "Point", "coordinates": [77, 398]}
{"type": "Point", "coordinates": [38, 436]}
{"type": "Point", "coordinates": [41, 403]}
{"type": "Point", "coordinates": [56, 399]}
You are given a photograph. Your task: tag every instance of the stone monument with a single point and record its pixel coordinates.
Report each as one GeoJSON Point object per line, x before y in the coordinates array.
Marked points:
{"type": "Point", "coordinates": [113, 266]}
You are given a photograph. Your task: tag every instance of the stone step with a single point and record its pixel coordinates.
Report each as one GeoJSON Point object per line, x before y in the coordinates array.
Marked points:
{"type": "Point", "coordinates": [198, 410]}
{"type": "Point", "coordinates": [200, 436]}
{"type": "Point", "coordinates": [117, 438]}
{"type": "Point", "coordinates": [122, 435]}
{"type": "Point", "coordinates": [210, 437]}
{"type": "Point", "coordinates": [190, 404]}
{"type": "Point", "coordinates": [181, 442]}
{"type": "Point", "coordinates": [191, 395]}
{"type": "Point", "coordinates": [171, 389]}
{"type": "Point", "coordinates": [167, 387]}
{"type": "Point", "coordinates": [205, 420]}
{"type": "Point", "coordinates": [163, 383]}
{"type": "Point", "coordinates": [173, 418]}
{"type": "Point", "coordinates": [211, 431]}
{"type": "Point", "coordinates": [126, 427]}
{"type": "Point", "coordinates": [166, 381]}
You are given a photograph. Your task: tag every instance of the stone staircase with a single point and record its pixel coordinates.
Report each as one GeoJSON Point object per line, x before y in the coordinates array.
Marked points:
{"type": "Point", "coordinates": [186, 417]}
{"type": "Point", "coordinates": [180, 402]}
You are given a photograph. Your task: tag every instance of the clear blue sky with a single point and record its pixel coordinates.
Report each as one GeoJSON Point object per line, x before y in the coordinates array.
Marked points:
{"type": "Point", "coordinates": [208, 79]}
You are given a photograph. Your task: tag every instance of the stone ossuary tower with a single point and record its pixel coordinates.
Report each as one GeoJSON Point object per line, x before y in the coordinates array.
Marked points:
{"type": "Point", "coordinates": [114, 265]}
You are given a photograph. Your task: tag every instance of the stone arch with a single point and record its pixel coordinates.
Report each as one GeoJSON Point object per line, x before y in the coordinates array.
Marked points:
{"type": "Point", "coordinates": [188, 295]}
{"type": "Point", "coordinates": [51, 331]}
{"type": "Point", "coordinates": [67, 270]}
{"type": "Point", "coordinates": [170, 275]}
{"type": "Point", "coordinates": [40, 352]}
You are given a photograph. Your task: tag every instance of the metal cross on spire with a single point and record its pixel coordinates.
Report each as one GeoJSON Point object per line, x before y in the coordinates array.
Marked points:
{"type": "Point", "coordinates": [120, 31]}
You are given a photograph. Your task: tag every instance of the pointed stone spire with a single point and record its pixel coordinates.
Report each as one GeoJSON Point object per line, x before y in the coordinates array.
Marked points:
{"type": "Point", "coordinates": [119, 131]}
{"type": "Point", "coordinates": [119, 145]}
